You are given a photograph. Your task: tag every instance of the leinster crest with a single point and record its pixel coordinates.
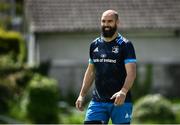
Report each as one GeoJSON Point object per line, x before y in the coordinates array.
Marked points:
{"type": "Point", "coordinates": [115, 49]}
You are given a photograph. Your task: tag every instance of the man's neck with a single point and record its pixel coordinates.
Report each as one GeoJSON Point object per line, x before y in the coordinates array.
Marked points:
{"type": "Point", "coordinates": [109, 39]}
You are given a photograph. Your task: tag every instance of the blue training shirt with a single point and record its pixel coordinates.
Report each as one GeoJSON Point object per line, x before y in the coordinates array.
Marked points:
{"type": "Point", "coordinates": [109, 59]}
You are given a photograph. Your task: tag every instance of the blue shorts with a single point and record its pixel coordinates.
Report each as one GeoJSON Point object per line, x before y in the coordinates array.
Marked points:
{"type": "Point", "coordinates": [102, 111]}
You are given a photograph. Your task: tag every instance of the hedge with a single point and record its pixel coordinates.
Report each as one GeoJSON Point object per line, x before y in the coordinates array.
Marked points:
{"type": "Point", "coordinates": [12, 50]}
{"type": "Point", "coordinates": [153, 109]}
{"type": "Point", "coordinates": [43, 100]}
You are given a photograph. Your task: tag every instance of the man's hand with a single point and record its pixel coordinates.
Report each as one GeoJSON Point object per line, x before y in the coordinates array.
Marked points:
{"type": "Point", "coordinates": [119, 98]}
{"type": "Point", "coordinates": [79, 103]}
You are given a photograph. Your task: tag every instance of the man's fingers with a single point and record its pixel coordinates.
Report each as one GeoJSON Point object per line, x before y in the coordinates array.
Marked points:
{"type": "Point", "coordinates": [119, 100]}
{"type": "Point", "coordinates": [114, 96]}
{"type": "Point", "coordinates": [79, 105]}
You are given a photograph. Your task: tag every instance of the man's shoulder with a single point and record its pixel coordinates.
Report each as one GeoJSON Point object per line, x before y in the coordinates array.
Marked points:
{"type": "Point", "coordinates": [122, 40]}
{"type": "Point", "coordinates": [125, 40]}
{"type": "Point", "coordinates": [96, 41]}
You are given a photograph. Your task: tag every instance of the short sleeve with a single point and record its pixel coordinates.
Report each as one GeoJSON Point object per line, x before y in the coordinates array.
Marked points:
{"type": "Point", "coordinates": [129, 53]}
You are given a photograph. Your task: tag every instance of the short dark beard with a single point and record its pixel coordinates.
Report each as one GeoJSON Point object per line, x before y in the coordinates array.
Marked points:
{"type": "Point", "coordinates": [110, 32]}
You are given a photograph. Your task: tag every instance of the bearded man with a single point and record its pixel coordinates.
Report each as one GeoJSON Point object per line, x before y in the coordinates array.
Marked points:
{"type": "Point", "coordinates": [112, 65]}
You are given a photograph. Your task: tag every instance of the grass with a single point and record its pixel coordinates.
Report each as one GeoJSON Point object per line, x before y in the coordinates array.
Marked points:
{"type": "Point", "coordinates": [76, 117]}
{"type": "Point", "coordinates": [176, 108]}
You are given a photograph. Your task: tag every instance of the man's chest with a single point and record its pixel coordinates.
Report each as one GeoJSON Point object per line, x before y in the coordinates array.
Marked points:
{"type": "Point", "coordinates": [107, 53]}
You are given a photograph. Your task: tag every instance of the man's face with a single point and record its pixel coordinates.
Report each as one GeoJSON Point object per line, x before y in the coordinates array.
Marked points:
{"type": "Point", "coordinates": [108, 25]}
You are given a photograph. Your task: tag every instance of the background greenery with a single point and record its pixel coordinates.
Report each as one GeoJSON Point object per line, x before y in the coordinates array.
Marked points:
{"type": "Point", "coordinates": [28, 95]}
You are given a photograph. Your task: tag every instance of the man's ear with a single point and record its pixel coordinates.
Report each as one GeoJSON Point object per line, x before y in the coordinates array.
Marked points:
{"type": "Point", "coordinates": [118, 23]}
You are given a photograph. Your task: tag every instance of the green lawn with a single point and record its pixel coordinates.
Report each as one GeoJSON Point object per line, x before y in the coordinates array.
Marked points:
{"type": "Point", "coordinates": [77, 117]}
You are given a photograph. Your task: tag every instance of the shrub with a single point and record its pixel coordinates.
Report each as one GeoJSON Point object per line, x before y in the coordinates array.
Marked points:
{"type": "Point", "coordinates": [7, 92]}
{"type": "Point", "coordinates": [153, 109]}
{"type": "Point", "coordinates": [12, 50]}
{"type": "Point", "coordinates": [43, 100]}
{"type": "Point", "coordinates": [5, 96]}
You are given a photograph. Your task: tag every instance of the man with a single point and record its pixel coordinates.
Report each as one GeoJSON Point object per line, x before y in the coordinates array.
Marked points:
{"type": "Point", "coordinates": [112, 64]}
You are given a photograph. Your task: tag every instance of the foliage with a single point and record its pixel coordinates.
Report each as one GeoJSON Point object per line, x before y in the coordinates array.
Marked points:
{"type": "Point", "coordinates": [177, 111]}
{"type": "Point", "coordinates": [12, 50]}
{"type": "Point", "coordinates": [141, 88]}
{"type": "Point", "coordinates": [19, 101]}
{"type": "Point", "coordinates": [71, 96]}
{"type": "Point", "coordinates": [5, 11]}
{"type": "Point", "coordinates": [5, 96]}
{"type": "Point", "coordinates": [75, 117]}
{"type": "Point", "coordinates": [43, 100]}
{"type": "Point", "coordinates": [9, 90]}
{"type": "Point", "coordinates": [12, 57]}
{"type": "Point", "coordinates": [173, 71]}
{"type": "Point", "coordinates": [5, 7]}
{"type": "Point", "coordinates": [39, 100]}
{"type": "Point", "coordinates": [153, 109]}
{"type": "Point", "coordinates": [5, 22]}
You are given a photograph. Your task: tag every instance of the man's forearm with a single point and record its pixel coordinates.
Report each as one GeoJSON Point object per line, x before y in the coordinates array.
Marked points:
{"type": "Point", "coordinates": [128, 84]}
{"type": "Point", "coordinates": [131, 75]}
{"type": "Point", "coordinates": [87, 81]}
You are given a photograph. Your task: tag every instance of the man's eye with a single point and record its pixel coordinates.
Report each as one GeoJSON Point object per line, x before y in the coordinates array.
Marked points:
{"type": "Point", "coordinates": [103, 21]}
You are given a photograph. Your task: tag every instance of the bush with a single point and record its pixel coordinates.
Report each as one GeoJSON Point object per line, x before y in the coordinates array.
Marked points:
{"type": "Point", "coordinates": [12, 50]}
{"type": "Point", "coordinates": [5, 95]}
{"type": "Point", "coordinates": [7, 92]}
{"type": "Point", "coordinates": [153, 109]}
{"type": "Point", "coordinates": [43, 100]}
{"type": "Point", "coordinates": [12, 58]}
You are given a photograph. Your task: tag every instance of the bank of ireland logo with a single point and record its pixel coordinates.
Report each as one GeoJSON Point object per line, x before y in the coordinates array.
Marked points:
{"type": "Point", "coordinates": [115, 49]}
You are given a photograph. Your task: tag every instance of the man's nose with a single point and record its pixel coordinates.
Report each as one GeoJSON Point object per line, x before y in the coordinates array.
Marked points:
{"type": "Point", "coordinates": [106, 24]}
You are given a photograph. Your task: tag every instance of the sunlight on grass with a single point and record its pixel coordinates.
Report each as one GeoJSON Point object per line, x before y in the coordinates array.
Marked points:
{"type": "Point", "coordinates": [76, 117]}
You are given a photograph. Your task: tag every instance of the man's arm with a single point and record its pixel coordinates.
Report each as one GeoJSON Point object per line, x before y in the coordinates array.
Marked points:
{"type": "Point", "coordinates": [131, 75]}
{"type": "Point", "coordinates": [87, 82]}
